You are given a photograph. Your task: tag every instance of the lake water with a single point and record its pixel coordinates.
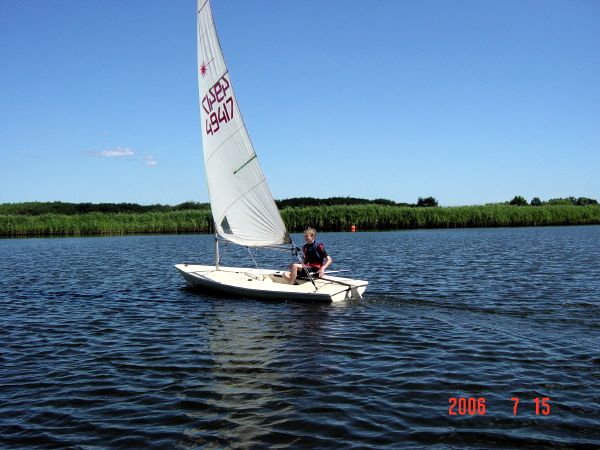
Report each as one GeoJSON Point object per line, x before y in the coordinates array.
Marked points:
{"type": "Point", "coordinates": [103, 346]}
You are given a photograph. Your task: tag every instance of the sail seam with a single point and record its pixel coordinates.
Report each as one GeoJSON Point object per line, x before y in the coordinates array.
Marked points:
{"type": "Point", "coordinates": [261, 181]}
{"type": "Point", "coordinates": [202, 36]}
{"type": "Point", "coordinates": [224, 142]}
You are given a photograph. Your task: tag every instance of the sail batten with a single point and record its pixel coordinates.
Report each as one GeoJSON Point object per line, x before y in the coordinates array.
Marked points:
{"type": "Point", "coordinates": [241, 202]}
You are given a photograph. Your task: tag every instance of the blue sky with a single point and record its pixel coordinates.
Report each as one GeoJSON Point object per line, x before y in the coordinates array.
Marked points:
{"type": "Point", "coordinates": [468, 101]}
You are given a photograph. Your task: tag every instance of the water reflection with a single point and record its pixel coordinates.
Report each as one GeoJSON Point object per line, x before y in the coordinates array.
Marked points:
{"type": "Point", "coordinates": [247, 390]}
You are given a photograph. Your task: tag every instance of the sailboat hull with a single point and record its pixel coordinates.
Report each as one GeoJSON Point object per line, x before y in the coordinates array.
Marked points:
{"type": "Point", "coordinates": [269, 284]}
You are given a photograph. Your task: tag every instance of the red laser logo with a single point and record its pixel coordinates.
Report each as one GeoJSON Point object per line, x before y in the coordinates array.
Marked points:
{"type": "Point", "coordinates": [204, 68]}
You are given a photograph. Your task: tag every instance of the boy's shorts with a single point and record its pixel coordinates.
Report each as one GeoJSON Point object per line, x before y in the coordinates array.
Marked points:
{"type": "Point", "coordinates": [311, 270]}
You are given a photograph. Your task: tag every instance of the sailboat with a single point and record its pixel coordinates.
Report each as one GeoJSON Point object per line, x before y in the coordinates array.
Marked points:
{"type": "Point", "coordinates": [242, 205]}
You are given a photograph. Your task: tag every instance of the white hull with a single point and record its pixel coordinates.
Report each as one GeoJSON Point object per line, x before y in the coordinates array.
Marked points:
{"type": "Point", "coordinates": [270, 284]}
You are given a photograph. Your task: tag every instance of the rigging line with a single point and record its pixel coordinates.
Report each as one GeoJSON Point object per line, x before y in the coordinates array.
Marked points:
{"type": "Point", "coordinates": [255, 263]}
{"type": "Point", "coordinates": [304, 268]}
{"type": "Point", "coordinates": [222, 255]}
{"type": "Point", "coordinates": [308, 274]}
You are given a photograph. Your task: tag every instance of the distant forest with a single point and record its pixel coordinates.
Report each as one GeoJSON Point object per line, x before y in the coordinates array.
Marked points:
{"type": "Point", "coordinates": [71, 209]}
{"type": "Point", "coordinates": [519, 200]}
{"type": "Point", "coordinates": [40, 208]}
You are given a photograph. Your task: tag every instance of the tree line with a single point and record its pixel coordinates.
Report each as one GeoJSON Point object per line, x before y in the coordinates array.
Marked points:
{"type": "Point", "coordinates": [519, 200]}
{"type": "Point", "coordinates": [305, 202]}
{"type": "Point", "coordinates": [70, 209]}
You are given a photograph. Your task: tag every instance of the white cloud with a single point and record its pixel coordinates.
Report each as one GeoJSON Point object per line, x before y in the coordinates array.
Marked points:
{"type": "Point", "coordinates": [150, 161]}
{"type": "Point", "coordinates": [116, 152]}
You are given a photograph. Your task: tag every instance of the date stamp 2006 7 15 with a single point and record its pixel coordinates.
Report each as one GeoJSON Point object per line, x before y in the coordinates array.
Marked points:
{"type": "Point", "coordinates": [476, 406]}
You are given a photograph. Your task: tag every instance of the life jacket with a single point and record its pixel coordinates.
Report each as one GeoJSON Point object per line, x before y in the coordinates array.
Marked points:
{"type": "Point", "coordinates": [313, 256]}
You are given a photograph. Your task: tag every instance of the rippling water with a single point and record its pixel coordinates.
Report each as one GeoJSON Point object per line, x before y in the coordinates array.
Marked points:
{"type": "Point", "coordinates": [102, 346]}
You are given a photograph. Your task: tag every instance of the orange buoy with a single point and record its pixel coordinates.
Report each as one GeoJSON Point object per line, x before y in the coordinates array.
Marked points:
{"type": "Point", "coordinates": [353, 228]}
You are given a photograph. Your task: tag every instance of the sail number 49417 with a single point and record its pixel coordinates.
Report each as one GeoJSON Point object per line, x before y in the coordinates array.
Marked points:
{"type": "Point", "coordinates": [218, 105]}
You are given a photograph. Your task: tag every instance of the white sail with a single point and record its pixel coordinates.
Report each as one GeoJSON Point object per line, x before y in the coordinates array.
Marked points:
{"type": "Point", "coordinates": [242, 204]}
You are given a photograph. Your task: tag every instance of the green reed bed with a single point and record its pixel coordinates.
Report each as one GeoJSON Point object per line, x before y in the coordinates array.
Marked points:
{"type": "Point", "coordinates": [105, 223]}
{"type": "Point", "coordinates": [380, 217]}
{"type": "Point", "coordinates": [324, 218]}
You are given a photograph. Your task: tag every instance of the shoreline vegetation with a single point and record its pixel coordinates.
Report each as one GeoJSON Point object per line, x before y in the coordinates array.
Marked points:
{"type": "Point", "coordinates": [333, 214]}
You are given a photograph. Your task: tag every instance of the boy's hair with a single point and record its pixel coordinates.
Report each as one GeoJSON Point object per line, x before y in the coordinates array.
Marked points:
{"type": "Point", "coordinates": [311, 231]}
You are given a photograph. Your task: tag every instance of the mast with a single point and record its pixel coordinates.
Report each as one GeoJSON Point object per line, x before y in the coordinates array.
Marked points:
{"type": "Point", "coordinates": [217, 256]}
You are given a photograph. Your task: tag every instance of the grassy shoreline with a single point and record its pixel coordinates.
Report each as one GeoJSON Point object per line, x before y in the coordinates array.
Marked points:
{"type": "Point", "coordinates": [324, 218]}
